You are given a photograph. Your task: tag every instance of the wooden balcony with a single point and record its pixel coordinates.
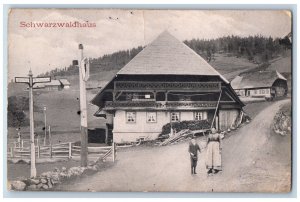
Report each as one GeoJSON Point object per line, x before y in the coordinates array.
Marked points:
{"type": "Point", "coordinates": [144, 85]}
{"type": "Point", "coordinates": [159, 105]}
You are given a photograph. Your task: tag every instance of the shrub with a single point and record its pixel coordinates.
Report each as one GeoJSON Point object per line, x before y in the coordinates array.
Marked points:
{"type": "Point", "coordinates": [192, 125]}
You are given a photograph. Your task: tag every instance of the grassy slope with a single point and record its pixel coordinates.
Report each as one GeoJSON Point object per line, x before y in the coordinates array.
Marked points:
{"type": "Point", "coordinates": [230, 66]}
{"type": "Point", "coordinates": [62, 108]}
{"type": "Point", "coordinates": [283, 63]}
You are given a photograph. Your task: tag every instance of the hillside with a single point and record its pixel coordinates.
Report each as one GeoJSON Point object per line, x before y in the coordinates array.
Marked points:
{"type": "Point", "coordinates": [253, 49]}
{"type": "Point", "coordinates": [62, 106]}
{"type": "Point", "coordinates": [228, 55]}
{"type": "Point", "coordinates": [230, 66]}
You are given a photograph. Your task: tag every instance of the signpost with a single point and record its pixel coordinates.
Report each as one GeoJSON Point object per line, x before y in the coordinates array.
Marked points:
{"type": "Point", "coordinates": [31, 81]}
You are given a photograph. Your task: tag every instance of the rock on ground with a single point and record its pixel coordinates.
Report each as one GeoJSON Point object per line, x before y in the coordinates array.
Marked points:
{"type": "Point", "coordinates": [18, 185]}
{"type": "Point", "coordinates": [32, 187]}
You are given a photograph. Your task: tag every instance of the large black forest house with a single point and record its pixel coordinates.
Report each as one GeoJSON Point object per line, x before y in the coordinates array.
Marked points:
{"type": "Point", "coordinates": [166, 82]}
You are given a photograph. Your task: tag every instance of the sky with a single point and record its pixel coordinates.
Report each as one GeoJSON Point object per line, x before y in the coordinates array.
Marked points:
{"type": "Point", "coordinates": [47, 48]}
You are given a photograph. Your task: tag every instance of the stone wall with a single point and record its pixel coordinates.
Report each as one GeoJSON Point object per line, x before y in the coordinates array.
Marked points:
{"type": "Point", "coordinates": [47, 180]}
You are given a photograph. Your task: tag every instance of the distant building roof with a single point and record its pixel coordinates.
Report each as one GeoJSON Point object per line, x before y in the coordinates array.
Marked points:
{"type": "Point", "coordinates": [53, 83]}
{"type": "Point", "coordinates": [258, 79]}
{"type": "Point", "coordinates": [64, 82]}
{"type": "Point", "coordinates": [39, 85]}
{"type": "Point", "coordinates": [166, 55]}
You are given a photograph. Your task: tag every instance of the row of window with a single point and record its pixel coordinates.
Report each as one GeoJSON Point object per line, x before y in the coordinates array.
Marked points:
{"type": "Point", "coordinates": [262, 91]}
{"type": "Point", "coordinates": [151, 117]}
{"type": "Point", "coordinates": [255, 92]}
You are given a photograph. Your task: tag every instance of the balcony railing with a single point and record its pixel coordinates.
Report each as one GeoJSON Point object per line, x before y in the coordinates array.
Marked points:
{"type": "Point", "coordinates": [160, 105]}
{"type": "Point", "coordinates": [199, 86]}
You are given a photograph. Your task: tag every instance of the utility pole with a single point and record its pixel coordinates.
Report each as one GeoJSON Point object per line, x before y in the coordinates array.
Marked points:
{"type": "Point", "coordinates": [83, 77]}
{"type": "Point", "coordinates": [31, 81]}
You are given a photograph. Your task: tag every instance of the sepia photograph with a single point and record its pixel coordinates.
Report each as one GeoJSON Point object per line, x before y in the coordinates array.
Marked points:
{"type": "Point", "coordinates": [148, 100]}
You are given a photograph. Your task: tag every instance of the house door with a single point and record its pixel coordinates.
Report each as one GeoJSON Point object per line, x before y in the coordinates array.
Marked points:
{"type": "Point", "coordinates": [227, 118]}
{"type": "Point", "coordinates": [96, 135]}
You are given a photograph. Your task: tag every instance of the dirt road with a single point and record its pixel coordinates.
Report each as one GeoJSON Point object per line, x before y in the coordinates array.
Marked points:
{"type": "Point", "coordinates": [254, 160]}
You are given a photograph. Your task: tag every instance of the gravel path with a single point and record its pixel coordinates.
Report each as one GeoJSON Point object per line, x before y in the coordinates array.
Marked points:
{"type": "Point", "coordinates": [254, 160]}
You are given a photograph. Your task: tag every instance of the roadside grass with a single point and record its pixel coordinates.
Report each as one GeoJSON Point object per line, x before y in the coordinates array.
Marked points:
{"type": "Point", "coordinates": [286, 109]}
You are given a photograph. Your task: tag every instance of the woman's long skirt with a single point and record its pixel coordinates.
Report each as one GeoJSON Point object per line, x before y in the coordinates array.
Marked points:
{"type": "Point", "coordinates": [213, 156]}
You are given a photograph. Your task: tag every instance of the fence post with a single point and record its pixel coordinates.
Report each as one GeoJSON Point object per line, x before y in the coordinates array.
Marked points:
{"type": "Point", "coordinates": [113, 151]}
{"type": "Point", "coordinates": [12, 152]}
{"type": "Point", "coordinates": [115, 145]}
{"type": "Point", "coordinates": [38, 151]}
{"type": "Point", "coordinates": [50, 150]}
{"type": "Point", "coordinates": [22, 144]}
{"type": "Point", "coordinates": [50, 138]}
{"type": "Point", "coordinates": [70, 150]}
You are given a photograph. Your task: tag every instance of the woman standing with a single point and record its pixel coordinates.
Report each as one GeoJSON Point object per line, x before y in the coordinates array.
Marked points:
{"type": "Point", "coordinates": [214, 148]}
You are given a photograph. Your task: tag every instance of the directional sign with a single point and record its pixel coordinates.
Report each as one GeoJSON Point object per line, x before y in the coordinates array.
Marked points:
{"type": "Point", "coordinates": [85, 68]}
{"type": "Point", "coordinates": [30, 81]}
{"type": "Point", "coordinates": [41, 79]}
{"type": "Point", "coordinates": [22, 79]}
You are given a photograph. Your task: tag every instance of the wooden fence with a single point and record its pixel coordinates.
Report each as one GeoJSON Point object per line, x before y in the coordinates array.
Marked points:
{"type": "Point", "coordinates": [62, 150]}
{"type": "Point", "coordinates": [22, 142]}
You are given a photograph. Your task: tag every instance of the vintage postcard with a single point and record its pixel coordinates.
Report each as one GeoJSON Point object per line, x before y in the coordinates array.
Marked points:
{"type": "Point", "coordinates": [110, 100]}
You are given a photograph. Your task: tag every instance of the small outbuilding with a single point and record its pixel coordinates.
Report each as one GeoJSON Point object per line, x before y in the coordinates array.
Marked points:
{"type": "Point", "coordinates": [38, 86]}
{"type": "Point", "coordinates": [53, 85]}
{"type": "Point", "coordinates": [260, 84]}
{"type": "Point", "coordinates": [65, 83]}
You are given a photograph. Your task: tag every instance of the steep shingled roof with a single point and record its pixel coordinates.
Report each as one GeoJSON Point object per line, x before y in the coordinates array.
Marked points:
{"type": "Point", "coordinates": [166, 55]}
{"type": "Point", "coordinates": [259, 79]}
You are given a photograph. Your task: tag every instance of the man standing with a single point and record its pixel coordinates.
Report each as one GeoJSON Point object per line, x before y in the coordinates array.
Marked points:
{"type": "Point", "coordinates": [193, 150]}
